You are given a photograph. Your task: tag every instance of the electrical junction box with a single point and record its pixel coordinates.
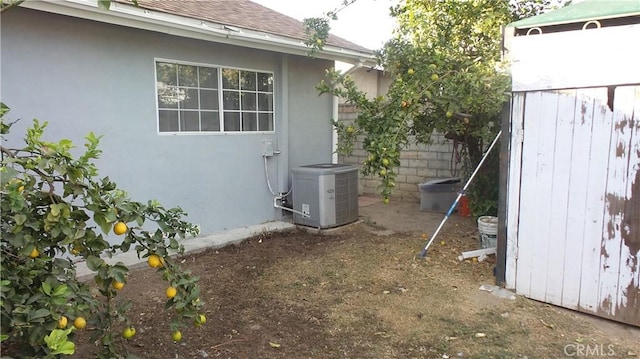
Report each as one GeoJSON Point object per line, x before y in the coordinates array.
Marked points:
{"type": "Point", "coordinates": [328, 193]}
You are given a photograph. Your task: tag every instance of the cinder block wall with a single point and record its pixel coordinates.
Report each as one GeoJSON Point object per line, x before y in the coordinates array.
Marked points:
{"type": "Point", "coordinates": [418, 163]}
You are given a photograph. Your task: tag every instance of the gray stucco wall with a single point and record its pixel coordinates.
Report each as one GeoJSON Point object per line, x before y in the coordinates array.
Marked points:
{"type": "Point", "coordinates": [84, 76]}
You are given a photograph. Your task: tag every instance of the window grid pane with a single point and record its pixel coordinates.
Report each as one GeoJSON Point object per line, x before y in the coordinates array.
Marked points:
{"type": "Point", "coordinates": [195, 98]}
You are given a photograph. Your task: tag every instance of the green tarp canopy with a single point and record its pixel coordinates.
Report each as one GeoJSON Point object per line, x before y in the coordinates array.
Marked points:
{"type": "Point", "coordinates": [581, 12]}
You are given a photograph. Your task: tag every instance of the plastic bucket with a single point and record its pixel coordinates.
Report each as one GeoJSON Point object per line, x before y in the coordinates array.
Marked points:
{"type": "Point", "coordinates": [488, 229]}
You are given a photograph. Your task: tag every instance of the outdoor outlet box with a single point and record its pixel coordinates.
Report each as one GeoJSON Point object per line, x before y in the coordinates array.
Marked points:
{"type": "Point", "coordinates": [267, 148]}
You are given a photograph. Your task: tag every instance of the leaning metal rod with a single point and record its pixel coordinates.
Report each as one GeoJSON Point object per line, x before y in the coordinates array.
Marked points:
{"type": "Point", "coordinates": [462, 192]}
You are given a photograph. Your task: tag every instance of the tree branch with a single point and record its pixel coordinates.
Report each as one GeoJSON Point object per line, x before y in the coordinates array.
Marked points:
{"type": "Point", "coordinates": [9, 6]}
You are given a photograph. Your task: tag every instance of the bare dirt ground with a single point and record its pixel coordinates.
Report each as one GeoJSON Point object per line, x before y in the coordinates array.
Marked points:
{"type": "Point", "coordinates": [362, 292]}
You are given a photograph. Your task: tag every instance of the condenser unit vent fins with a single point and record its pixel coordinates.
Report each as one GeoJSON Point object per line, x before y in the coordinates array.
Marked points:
{"type": "Point", "coordinates": [328, 193]}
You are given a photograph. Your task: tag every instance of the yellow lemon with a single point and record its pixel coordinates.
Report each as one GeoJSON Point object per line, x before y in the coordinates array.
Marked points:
{"type": "Point", "coordinates": [34, 253]}
{"type": "Point", "coordinates": [154, 261]}
{"type": "Point", "coordinates": [62, 322]}
{"type": "Point", "coordinates": [120, 228]}
{"type": "Point", "coordinates": [117, 285]}
{"type": "Point", "coordinates": [128, 332]}
{"type": "Point", "coordinates": [200, 320]}
{"type": "Point", "coordinates": [80, 323]}
{"type": "Point", "coordinates": [176, 336]}
{"type": "Point", "coordinates": [171, 292]}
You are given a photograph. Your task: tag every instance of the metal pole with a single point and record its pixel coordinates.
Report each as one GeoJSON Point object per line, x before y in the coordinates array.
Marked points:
{"type": "Point", "coordinates": [462, 192]}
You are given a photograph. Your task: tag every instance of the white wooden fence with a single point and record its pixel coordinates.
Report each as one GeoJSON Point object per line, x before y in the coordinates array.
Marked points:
{"type": "Point", "coordinates": [573, 213]}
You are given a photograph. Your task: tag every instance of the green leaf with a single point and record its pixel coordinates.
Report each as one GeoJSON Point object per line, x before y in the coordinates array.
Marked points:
{"type": "Point", "coordinates": [60, 291]}
{"type": "Point", "coordinates": [55, 209]}
{"type": "Point", "coordinates": [8, 175]}
{"type": "Point", "coordinates": [58, 342]}
{"type": "Point", "coordinates": [104, 4]}
{"type": "Point", "coordinates": [66, 348]}
{"type": "Point", "coordinates": [79, 233]}
{"type": "Point", "coordinates": [39, 313]}
{"type": "Point", "coordinates": [101, 220]}
{"type": "Point", "coordinates": [20, 218]}
{"type": "Point", "coordinates": [111, 215]}
{"type": "Point", "coordinates": [46, 288]}
{"type": "Point", "coordinates": [94, 263]}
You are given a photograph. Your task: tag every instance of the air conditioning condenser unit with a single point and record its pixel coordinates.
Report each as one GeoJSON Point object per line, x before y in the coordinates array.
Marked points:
{"type": "Point", "coordinates": [327, 193]}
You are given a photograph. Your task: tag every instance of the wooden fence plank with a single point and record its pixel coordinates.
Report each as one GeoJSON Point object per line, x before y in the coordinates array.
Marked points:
{"type": "Point", "coordinates": [560, 158]}
{"type": "Point", "coordinates": [540, 187]}
{"type": "Point", "coordinates": [595, 184]}
{"type": "Point", "coordinates": [525, 265]}
{"type": "Point", "coordinates": [612, 250]}
{"type": "Point", "coordinates": [577, 198]}
{"type": "Point", "coordinates": [626, 288]}
{"type": "Point", "coordinates": [537, 168]}
{"type": "Point", "coordinates": [513, 187]}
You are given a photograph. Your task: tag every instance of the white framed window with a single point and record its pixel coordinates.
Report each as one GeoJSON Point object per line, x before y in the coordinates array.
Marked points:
{"type": "Point", "coordinates": [208, 99]}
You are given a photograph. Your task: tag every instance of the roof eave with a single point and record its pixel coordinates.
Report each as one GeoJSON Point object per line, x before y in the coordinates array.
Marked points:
{"type": "Point", "coordinates": [132, 16]}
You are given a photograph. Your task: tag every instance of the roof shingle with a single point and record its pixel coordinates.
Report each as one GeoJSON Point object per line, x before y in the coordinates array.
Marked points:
{"type": "Point", "coordinates": [242, 14]}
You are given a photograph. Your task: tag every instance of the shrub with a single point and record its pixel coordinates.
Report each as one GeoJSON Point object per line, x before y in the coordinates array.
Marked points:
{"type": "Point", "coordinates": [56, 210]}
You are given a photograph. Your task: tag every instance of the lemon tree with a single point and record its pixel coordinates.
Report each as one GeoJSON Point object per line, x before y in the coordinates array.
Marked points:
{"type": "Point", "coordinates": [55, 209]}
{"type": "Point", "coordinates": [445, 62]}
{"type": "Point", "coordinates": [447, 77]}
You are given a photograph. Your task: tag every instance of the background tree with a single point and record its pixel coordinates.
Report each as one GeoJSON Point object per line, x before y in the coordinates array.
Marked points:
{"type": "Point", "coordinates": [445, 59]}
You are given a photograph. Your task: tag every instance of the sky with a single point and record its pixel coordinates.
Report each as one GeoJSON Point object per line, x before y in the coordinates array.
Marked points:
{"type": "Point", "coordinates": [366, 22]}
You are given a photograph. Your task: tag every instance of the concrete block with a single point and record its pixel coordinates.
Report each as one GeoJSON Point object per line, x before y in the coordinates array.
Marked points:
{"type": "Point", "coordinates": [409, 171]}
{"type": "Point", "coordinates": [427, 173]}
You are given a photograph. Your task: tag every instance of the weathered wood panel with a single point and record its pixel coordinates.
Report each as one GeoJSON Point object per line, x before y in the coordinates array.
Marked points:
{"type": "Point", "coordinates": [527, 196]}
{"type": "Point", "coordinates": [537, 181]}
{"type": "Point", "coordinates": [513, 186]}
{"type": "Point", "coordinates": [600, 136]}
{"type": "Point", "coordinates": [560, 175]}
{"type": "Point", "coordinates": [620, 245]}
{"type": "Point", "coordinates": [584, 220]}
{"type": "Point", "coordinates": [579, 140]}
{"type": "Point", "coordinates": [577, 198]}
